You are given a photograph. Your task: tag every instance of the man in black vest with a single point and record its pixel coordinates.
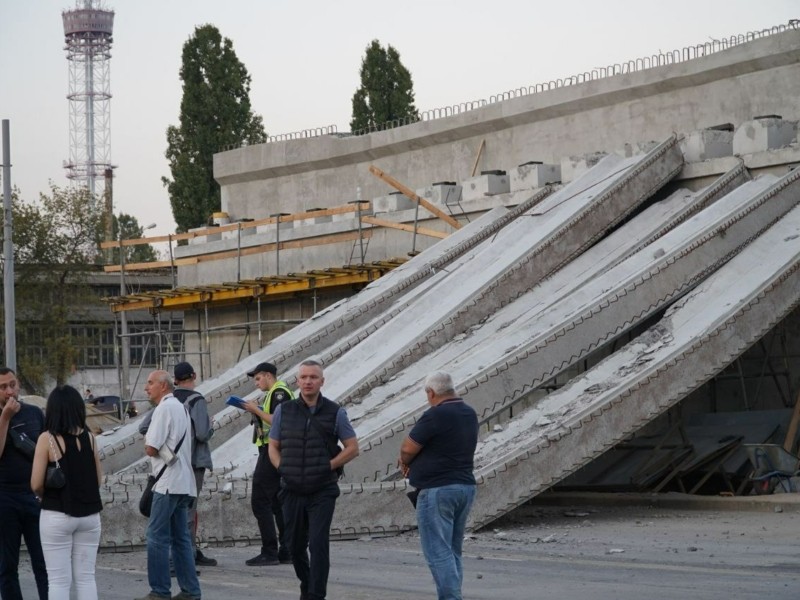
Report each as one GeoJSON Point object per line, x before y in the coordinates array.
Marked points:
{"type": "Point", "coordinates": [303, 446]}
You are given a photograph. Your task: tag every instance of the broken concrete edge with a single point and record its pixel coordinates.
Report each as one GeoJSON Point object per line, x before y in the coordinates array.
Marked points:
{"type": "Point", "coordinates": [672, 500]}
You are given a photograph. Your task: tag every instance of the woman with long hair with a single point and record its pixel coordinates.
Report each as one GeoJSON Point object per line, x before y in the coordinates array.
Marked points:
{"type": "Point", "coordinates": [70, 519]}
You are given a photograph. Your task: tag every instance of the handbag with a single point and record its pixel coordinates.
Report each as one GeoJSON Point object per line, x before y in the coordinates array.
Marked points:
{"type": "Point", "coordinates": [146, 501]}
{"type": "Point", "coordinates": [54, 478]}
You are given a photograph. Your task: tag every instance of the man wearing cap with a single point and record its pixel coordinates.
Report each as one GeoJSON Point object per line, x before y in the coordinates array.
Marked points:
{"type": "Point", "coordinates": [266, 480]}
{"type": "Point", "coordinates": [185, 380]}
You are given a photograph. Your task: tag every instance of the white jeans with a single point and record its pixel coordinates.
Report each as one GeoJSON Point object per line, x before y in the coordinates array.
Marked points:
{"type": "Point", "coordinates": [70, 545]}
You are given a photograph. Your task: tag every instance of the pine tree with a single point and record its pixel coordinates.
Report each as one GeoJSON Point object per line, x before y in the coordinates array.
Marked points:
{"type": "Point", "coordinates": [386, 95]}
{"type": "Point", "coordinates": [215, 114]}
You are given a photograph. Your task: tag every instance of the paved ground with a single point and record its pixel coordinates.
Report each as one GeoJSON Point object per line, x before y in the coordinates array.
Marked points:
{"type": "Point", "coordinates": [576, 550]}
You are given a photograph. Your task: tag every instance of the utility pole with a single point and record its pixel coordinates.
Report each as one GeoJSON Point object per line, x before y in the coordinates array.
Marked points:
{"type": "Point", "coordinates": [8, 255]}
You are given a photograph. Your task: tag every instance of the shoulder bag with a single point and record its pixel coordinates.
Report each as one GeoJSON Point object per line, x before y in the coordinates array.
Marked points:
{"type": "Point", "coordinates": [146, 501]}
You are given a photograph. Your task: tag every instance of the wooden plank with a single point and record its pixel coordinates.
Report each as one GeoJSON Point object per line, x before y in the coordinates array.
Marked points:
{"type": "Point", "coordinates": [403, 227]}
{"type": "Point", "coordinates": [287, 245]}
{"type": "Point", "coordinates": [791, 432]}
{"type": "Point", "coordinates": [413, 196]}
{"type": "Point", "coordinates": [478, 157]}
{"type": "Point", "coordinates": [302, 216]}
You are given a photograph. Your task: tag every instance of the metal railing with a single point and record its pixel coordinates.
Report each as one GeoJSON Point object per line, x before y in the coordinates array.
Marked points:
{"type": "Point", "coordinates": [632, 66]}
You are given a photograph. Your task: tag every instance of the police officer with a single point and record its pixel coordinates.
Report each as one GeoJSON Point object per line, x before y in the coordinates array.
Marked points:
{"type": "Point", "coordinates": [266, 480]}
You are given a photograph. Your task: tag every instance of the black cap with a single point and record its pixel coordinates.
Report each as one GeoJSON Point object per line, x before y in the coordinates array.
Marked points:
{"type": "Point", "coordinates": [264, 367]}
{"type": "Point", "coordinates": [183, 371]}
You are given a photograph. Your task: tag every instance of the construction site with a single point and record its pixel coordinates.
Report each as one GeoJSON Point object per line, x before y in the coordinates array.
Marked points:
{"type": "Point", "coordinates": [608, 265]}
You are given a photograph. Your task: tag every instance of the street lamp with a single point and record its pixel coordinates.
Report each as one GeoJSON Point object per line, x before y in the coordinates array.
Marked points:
{"type": "Point", "coordinates": [124, 392]}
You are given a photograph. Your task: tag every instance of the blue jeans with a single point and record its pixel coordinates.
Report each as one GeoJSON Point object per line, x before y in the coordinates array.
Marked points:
{"type": "Point", "coordinates": [20, 518]}
{"type": "Point", "coordinates": [168, 529]}
{"type": "Point", "coordinates": [442, 517]}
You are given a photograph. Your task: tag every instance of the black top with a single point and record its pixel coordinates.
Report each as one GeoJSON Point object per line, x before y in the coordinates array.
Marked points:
{"type": "Point", "coordinates": [15, 468]}
{"type": "Point", "coordinates": [448, 434]}
{"type": "Point", "coordinates": [80, 496]}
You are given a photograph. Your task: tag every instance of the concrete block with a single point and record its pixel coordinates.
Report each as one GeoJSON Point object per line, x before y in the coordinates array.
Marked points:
{"type": "Point", "coordinates": [391, 203]}
{"type": "Point", "coordinates": [317, 220]}
{"type": "Point", "coordinates": [534, 175]}
{"type": "Point", "coordinates": [212, 237]}
{"type": "Point", "coordinates": [762, 134]}
{"type": "Point", "coordinates": [488, 183]}
{"type": "Point", "coordinates": [573, 167]}
{"type": "Point", "coordinates": [444, 193]}
{"type": "Point", "coordinates": [705, 144]}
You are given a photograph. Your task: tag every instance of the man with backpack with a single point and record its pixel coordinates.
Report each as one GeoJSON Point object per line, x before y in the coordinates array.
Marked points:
{"type": "Point", "coordinates": [185, 381]}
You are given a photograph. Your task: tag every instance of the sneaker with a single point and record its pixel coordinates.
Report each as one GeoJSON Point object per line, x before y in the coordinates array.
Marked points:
{"type": "Point", "coordinates": [262, 561]}
{"type": "Point", "coordinates": [152, 596]}
{"type": "Point", "coordinates": [201, 560]}
{"type": "Point", "coordinates": [185, 596]}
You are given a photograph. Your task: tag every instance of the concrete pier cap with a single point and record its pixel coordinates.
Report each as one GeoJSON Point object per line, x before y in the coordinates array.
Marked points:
{"type": "Point", "coordinates": [705, 144]}
{"type": "Point", "coordinates": [768, 132]}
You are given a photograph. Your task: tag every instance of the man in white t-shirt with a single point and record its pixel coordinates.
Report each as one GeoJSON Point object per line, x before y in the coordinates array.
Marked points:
{"type": "Point", "coordinates": [169, 445]}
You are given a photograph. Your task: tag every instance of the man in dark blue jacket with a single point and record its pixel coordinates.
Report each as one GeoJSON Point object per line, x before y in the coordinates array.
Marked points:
{"type": "Point", "coordinates": [437, 457]}
{"type": "Point", "coordinates": [20, 425]}
{"type": "Point", "coordinates": [303, 446]}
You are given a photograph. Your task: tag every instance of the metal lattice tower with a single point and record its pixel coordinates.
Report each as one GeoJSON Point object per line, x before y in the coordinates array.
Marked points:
{"type": "Point", "coordinates": [88, 32]}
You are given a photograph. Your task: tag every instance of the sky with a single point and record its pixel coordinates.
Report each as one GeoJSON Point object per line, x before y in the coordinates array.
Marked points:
{"type": "Point", "coordinates": [304, 56]}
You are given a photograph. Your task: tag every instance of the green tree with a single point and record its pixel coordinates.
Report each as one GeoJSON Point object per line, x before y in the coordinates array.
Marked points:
{"type": "Point", "coordinates": [55, 250]}
{"type": "Point", "coordinates": [131, 230]}
{"type": "Point", "coordinates": [215, 113]}
{"type": "Point", "coordinates": [386, 93]}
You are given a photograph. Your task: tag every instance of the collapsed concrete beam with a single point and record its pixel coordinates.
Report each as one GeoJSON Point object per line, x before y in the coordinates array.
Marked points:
{"type": "Point", "coordinates": [123, 447]}
{"type": "Point", "coordinates": [497, 272]}
{"type": "Point", "coordinates": [695, 340]}
{"type": "Point", "coordinates": [571, 315]}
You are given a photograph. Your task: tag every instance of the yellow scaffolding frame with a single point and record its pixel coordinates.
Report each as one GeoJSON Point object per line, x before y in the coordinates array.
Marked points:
{"type": "Point", "coordinates": [274, 287]}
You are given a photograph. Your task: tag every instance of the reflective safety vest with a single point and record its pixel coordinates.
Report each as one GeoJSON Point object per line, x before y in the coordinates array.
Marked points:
{"type": "Point", "coordinates": [273, 395]}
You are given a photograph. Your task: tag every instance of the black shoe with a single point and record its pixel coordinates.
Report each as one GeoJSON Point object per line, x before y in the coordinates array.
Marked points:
{"type": "Point", "coordinates": [262, 561]}
{"type": "Point", "coordinates": [284, 557]}
{"type": "Point", "coordinates": [202, 560]}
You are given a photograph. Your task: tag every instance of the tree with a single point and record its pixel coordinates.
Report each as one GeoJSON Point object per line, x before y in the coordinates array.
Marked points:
{"type": "Point", "coordinates": [215, 113]}
{"type": "Point", "coordinates": [386, 93]}
{"type": "Point", "coordinates": [131, 230]}
{"type": "Point", "coordinates": [55, 249]}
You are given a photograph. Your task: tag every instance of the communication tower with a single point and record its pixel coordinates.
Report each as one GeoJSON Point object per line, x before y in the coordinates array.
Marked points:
{"type": "Point", "coordinates": [88, 30]}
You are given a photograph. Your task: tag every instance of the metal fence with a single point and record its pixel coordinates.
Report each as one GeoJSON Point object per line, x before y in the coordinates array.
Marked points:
{"type": "Point", "coordinates": [632, 66]}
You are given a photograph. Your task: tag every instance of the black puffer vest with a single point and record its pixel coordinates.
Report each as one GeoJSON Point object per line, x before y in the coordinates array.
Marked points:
{"type": "Point", "coordinates": [305, 459]}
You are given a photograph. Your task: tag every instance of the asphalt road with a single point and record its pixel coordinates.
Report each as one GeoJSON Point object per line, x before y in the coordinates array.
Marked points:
{"type": "Point", "coordinates": [602, 553]}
